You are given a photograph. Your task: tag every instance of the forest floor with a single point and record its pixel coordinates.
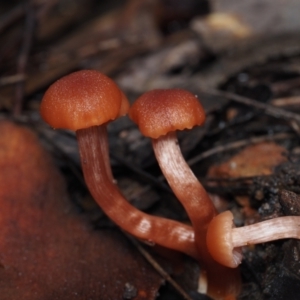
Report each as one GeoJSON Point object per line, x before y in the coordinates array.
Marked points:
{"type": "Point", "coordinates": [242, 60]}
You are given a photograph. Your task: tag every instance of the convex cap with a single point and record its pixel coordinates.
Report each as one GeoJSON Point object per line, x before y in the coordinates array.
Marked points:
{"type": "Point", "coordinates": [160, 111]}
{"type": "Point", "coordinates": [83, 99]}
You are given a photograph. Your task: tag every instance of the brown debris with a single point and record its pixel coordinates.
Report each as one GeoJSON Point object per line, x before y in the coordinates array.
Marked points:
{"type": "Point", "coordinates": [48, 251]}
{"type": "Point", "coordinates": [230, 24]}
{"type": "Point", "coordinates": [290, 203]}
{"type": "Point", "coordinates": [254, 160]}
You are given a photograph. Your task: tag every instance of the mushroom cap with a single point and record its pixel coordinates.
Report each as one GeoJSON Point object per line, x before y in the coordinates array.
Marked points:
{"type": "Point", "coordinates": [160, 111]}
{"type": "Point", "coordinates": [82, 99]}
{"type": "Point", "coordinates": [219, 240]}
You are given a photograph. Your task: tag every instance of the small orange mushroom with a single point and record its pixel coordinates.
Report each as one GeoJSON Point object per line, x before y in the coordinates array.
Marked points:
{"type": "Point", "coordinates": [159, 113]}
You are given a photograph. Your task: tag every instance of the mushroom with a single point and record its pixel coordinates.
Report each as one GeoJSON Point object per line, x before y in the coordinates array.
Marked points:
{"type": "Point", "coordinates": [85, 101]}
{"type": "Point", "coordinates": [224, 241]}
{"type": "Point", "coordinates": [159, 113]}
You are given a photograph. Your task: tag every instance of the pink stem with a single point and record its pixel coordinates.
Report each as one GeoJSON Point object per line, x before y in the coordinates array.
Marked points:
{"type": "Point", "coordinates": [222, 281]}
{"type": "Point", "coordinates": [156, 230]}
{"type": "Point", "coordinates": [184, 183]}
{"type": "Point", "coordinates": [266, 231]}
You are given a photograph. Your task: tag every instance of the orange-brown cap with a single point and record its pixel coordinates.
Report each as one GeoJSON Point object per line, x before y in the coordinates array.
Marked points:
{"type": "Point", "coordinates": [160, 111]}
{"type": "Point", "coordinates": [219, 240]}
{"type": "Point", "coordinates": [82, 99]}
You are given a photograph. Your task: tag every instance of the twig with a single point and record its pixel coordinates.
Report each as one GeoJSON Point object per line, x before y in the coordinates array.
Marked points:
{"type": "Point", "coordinates": [287, 101]}
{"type": "Point", "coordinates": [230, 146]}
{"type": "Point", "coordinates": [286, 85]}
{"type": "Point", "coordinates": [23, 57]}
{"type": "Point", "coordinates": [11, 79]}
{"type": "Point", "coordinates": [238, 144]}
{"type": "Point", "coordinates": [18, 12]}
{"type": "Point", "coordinates": [152, 179]}
{"type": "Point", "coordinates": [229, 180]}
{"type": "Point", "coordinates": [268, 109]}
{"type": "Point", "coordinates": [12, 16]}
{"type": "Point", "coordinates": [295, 126]}
{"type": "Point", "coordinates": [159, 269]}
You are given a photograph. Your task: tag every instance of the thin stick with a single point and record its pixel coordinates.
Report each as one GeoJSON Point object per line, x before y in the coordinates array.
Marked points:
{"type": "Point", "coordinates": [12, 16]}
{"type": "Point", "coordinates": [219, 149]}
{"type": "Point", "coordinates": [238, 144]}
{"type": "Point", "coordinates": [159, 269]}
{"type": "Point", "coordinates": [23, 58]}
{"type": "Point", "coordinates": [152, 179]}
{"type": "Point", "coordinates": [7, 80]}
{"type": "Point", "coordinates": [268, 109]}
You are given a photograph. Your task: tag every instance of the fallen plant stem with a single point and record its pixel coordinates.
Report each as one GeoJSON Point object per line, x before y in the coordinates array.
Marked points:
{"type": "Point", "coordinates": [7, 80]}
{"type": "Point", "coordinates": [23, 57]}
{"type": "Point", "coordinates": [11, 17]}
{"type": "Point", "coordinates": [152, 179]}
{"type": "Point", "coordinates": [158, 268]}
{"type": "Point", "coordinates": [221, 148]}
{"type": "Point", "coordinates": [238, 144]}
{"type": "Point", "coordinates": [268, 109]}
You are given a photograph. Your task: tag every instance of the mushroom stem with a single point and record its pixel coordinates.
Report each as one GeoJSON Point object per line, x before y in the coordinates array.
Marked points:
{"type": "Point", "coordinates": [266, 231]}
{"type": "Point", "coordinates": [155, 230]}
{"type": "Point", "coordinates": [224, 240]}
{"type": "Point", "coordinates": [221, 280]}
{"type": "Point", "coordinates": [184, 184]}
{"type": "Point", "coordinates": [158, 114]}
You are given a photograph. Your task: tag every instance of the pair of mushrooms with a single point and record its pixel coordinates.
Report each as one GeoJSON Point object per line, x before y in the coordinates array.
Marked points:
{"type": "Point", "coordinates": [85, 101]}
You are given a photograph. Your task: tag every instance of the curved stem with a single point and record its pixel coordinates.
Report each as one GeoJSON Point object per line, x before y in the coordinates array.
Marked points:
{"type": "Point", "coordinates": [104, 151]}
{"type": "Point", "coordinates": [156, 230]}
{"type": "Point", "coordinates": [222, 281]}
{"type": "Point", "coordinates": [184, 183]}
{"type": "Point", "coordinates": [266, 231]}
